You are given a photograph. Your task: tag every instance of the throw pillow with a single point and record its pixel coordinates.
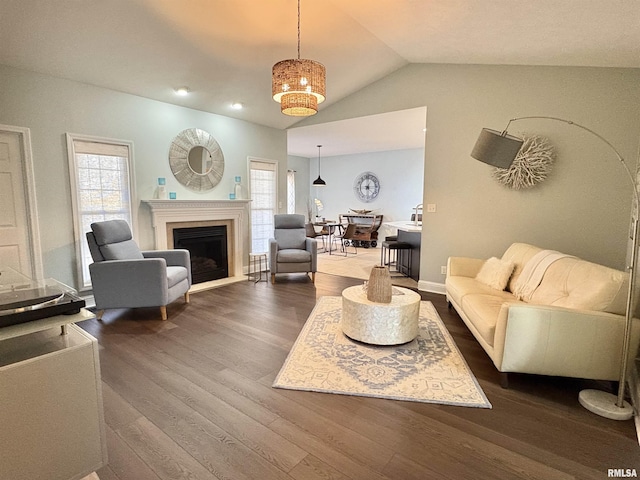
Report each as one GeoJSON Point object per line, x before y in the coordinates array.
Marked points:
{"type": "Point", "coordinates": [495, 273]}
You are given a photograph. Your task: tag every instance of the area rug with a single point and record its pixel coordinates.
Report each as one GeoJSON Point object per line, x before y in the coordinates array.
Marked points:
{"type": "Point", "coordinates": [428, 369]}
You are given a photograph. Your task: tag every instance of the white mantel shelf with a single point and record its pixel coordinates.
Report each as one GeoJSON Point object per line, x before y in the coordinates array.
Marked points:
{"type": "Point", "coordinates": [180, 204]}
{"type": "Point", "coordinates": [165, 212]}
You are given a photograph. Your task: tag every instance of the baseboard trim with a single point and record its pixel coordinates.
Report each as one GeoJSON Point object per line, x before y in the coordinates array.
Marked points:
{"type": "Point", "coordinates": [431, 287]}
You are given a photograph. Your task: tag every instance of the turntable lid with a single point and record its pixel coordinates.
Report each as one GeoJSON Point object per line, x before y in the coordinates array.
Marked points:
{"type": "Point", "coordinates": [19, 293]}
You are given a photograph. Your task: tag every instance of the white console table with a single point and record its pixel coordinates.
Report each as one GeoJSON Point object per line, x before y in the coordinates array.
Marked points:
{"type": "Point", "coordinates": [50, 400]}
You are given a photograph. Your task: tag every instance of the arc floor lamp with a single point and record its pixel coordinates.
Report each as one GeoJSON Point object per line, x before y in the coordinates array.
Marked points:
{"type": "Point", "coordinates": [499, 149]}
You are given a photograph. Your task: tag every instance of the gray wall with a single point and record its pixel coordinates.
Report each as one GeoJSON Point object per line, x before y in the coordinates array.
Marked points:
{"type": "Point", "coordinates": [50, 107]}
{"type": "Point", "coordinates": [582, 209]}
{"type": "Point", "coordinates": [400, 173]}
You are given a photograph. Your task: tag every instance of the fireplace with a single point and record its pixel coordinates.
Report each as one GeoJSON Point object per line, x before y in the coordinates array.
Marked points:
{"type": "Point", "coordinates": [208, 249]}
{"type": "Point", "coordinates": [168, 215]}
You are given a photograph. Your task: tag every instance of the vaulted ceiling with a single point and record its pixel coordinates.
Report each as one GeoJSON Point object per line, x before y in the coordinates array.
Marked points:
{"type": "Point", "coordinates": [223, 50]}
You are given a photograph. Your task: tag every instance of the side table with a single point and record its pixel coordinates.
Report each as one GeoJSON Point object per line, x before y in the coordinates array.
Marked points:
{"type": "Point", "coordinates": [255, 267]}
{"type": "Point", "coordinates": [380, 323]}
{"type": "Point", "coordinates": [51, 395]}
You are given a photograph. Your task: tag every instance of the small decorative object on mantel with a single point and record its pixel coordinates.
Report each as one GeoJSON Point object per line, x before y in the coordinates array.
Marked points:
{"type": "Point", "coordinates": [531, 166]}
{"type": "Point", "coordinates": [379, 285]}
{"type": "Point", "coordinates": [237, 189]}
{"type": "Point", "coordinates": [161, 190]}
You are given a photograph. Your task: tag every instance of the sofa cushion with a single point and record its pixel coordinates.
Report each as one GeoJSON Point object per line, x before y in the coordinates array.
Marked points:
{"type": "Point", "coordinates": [495, 273]}
{"type": "Point", "coordinates": [127, 250]}
{"type": "Point", "coordinates": [482, 310]}
{"type": "Point", "coordinates": [115, 241]}
{"type": "Point", "coordinates": [289, 231]}
{"type": "Point", "coordinates": [111, 231]}
{"type": "Point", "coordinates": [458, 287]}
{"type": "Point", "coordinates": [518, 254]}
{"type": "Point", "coordinates": [292, 255]}
{"type": "Point", "coordinates": [291, 238]}
{"type": "Point", "coordinates": [175, 275]}
{"type": "Point", "coordinates": [574, 283]}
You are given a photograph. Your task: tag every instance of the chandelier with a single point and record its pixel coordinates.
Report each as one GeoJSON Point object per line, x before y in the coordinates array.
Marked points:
{"type": "Point", "coordinates": [298, 84]}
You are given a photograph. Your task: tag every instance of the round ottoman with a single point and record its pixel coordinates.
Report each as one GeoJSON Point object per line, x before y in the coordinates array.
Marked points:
{"type": "Point", "coordinates": [380, 323]}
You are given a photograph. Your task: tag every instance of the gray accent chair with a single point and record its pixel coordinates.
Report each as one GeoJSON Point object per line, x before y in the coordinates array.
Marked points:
{"type": "Point", "coordinates": [125, 277]}
{"type": "Point", "coordinates": [290, 251]}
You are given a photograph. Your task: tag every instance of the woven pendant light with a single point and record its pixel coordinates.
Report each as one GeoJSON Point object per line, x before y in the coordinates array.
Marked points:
{"type": "Point", "coordinates": [298, 84]}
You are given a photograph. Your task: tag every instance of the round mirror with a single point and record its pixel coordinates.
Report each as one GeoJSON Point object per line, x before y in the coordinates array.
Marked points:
{"type": "Point", "coordinates": [196, 160]}
{"type": "Point", "coordinates": [200, 160]}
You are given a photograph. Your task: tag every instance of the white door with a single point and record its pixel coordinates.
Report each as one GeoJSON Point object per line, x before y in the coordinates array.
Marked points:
{"type": "Point", "coordinates": [14, 223]}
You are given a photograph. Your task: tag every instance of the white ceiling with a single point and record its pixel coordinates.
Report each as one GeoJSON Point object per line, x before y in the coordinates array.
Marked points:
{"type": "Point", "coordinates": [223, 50]}
{"type": "Point", "coordinates": [399, 130]}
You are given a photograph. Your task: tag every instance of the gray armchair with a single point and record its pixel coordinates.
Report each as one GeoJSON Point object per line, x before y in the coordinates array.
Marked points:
{"type": "Point", "coordinates": [290, 251]}
{"type": "Point", "coordinates": [125, 277]}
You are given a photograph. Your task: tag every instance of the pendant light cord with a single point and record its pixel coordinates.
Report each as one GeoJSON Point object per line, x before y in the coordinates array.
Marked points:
{"type": "Point", "coordinates": [298, 29]}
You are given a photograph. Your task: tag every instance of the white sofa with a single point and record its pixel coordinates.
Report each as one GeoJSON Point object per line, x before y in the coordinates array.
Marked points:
{"type": "Point", "coordinates": [571, 324]}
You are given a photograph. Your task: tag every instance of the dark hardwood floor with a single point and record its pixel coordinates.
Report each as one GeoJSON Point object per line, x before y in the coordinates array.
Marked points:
{"type": "Point", "coordinates": [191, 398]}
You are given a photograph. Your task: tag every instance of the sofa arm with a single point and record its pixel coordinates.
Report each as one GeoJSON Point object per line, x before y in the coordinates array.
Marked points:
{"type": "Point", "coordinates": [137, 283]}
{"type": "Point", "coordinates": [273, 255]}
{"type": "Point", "coordinates": [174, 258]}
{"type": "Point", "coordinates": [311, 245]}
{"type": "Point", "coordinates": [558, 341]}
{"type": "Point", "coordinates": [464, 266]}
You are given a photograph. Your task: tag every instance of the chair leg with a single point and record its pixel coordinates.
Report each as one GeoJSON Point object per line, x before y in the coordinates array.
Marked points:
{"type": "Point", "coordinates": [504, 379]}
{"type": "Point", "coordinates": [163, 312]}
{"type": "Point", "coordinates": [273, 278]}
{"type": "Point", "coordinates": [345, 245]}
{"type": "Point", "coordinates": [99, 314]}
{"type": "Point", "coordinates": [313, 277]}
{"type": "Point", "coordinates": [187, 299]}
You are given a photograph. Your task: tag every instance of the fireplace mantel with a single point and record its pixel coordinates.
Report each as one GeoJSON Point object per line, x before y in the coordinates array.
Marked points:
{"type": "Point", "coordinates": [193, 206]}
{"type": "Point", "coordinates": [166, 212]}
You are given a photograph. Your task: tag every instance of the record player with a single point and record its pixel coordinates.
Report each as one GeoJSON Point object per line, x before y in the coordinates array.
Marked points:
{"type": "Point", "coordinates": [23, 299]}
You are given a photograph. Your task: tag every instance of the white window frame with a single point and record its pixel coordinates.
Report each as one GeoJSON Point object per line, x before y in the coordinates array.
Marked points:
{"type": "Point", "coordinates": [79, 234]}
{"type": "Point", "coordinates": [274, 164]}
{"type": "Point", "coordinates": [291, 191]}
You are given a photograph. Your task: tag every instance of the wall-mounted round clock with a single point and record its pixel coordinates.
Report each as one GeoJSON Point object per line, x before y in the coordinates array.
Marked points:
{"type": "Point", "coordinates": [366, 187]}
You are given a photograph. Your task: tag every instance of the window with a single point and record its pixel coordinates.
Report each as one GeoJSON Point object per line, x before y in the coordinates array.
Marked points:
{"type": "Point", "coordinates": [291, 191]}
{"type": "Point", "coordinates": [101, 189]}
{"type": "Point", "coordinates": [263, 176]}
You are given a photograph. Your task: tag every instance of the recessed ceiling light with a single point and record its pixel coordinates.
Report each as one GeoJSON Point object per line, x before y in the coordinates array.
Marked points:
{"type": "Point", "coordinates": [236, 106]}
{"type": "Point", "coordinates": [182, 91]}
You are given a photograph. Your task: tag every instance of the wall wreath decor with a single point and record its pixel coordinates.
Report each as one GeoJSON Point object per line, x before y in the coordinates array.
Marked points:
{"type": "Point", "coordinates": [531, 166]}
